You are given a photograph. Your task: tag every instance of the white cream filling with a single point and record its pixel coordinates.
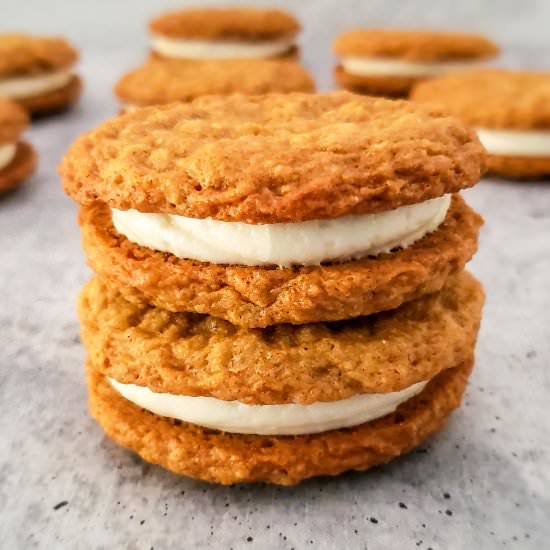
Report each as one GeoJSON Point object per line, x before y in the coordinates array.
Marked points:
{"type": "Point", "coordinates": [7, 154]}
{"type": "Point", "coordinates": [525, 143]}
{"type": "Point", "coordinates": [286, 419]}
{"type": "Point", "coordinates": [283, 244]}
{"type": "Point", "coordinates": [219, 49]}
{"type": "Point", "coordinates": [364, 66]}
{"type": "Point", "coordinates": [28, 86]}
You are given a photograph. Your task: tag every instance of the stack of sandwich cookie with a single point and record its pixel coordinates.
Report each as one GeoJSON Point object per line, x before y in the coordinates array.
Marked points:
{"type": "Point", "coordinates": [509, 109]}
{"type": "Point", "coordinates": [224, 33]}
{"type": "Point", "coordinates": [161, 81]}
{"type": "Point", "coordinates": [341, 371]}
{"type": "Point", "coordinates": [390, 62]}
{"type": "Point", "coordinates": [36, 72]}
{"type": "Point", "coordinates": [17, 158]}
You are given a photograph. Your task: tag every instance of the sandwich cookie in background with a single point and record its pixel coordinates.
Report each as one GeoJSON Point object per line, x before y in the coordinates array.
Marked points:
{"type": "Point", "coordinates": [224, 33]}
{"type": "Point", "coordinates": [510, 111]}
{"type": "Point", "coordinates": [161, 81]}
{"type": "Point", "coordinates": [280, 290]}
{"type": "Point", "coordinates": [390, 62]}
{"type": "Point", "coordinates": [37, 72]}
{"type": "Point", "coordinates": [17, 158]}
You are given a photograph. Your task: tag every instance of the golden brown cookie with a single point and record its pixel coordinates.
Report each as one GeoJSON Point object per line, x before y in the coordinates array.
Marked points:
{"type": "Point", "coordinates": [497, 100]}
{"type": "Point", "coordinates": [20, 168]}
{"type": "Point", "coordinates": [221, 457]}
{"type": "Point", "coordinates": [190, 354]}
{"type": "Point", "coordinates": [404, 46]}
{"type": "Point", "coordinates": [38, 59]}
{"type": "Point", "coordinates": [274, 158]}
{"type": "Point", "coordinates": [492, 98]}
{"type": "Point", "coordinates": [521, 168]}
{"type": "Point", "coordinates": [23, 54]}
{"type": "Point", "coordinates": [414, 45]}
{"type": "Point", "coordinates": [13, 121]}
{"type": "Point", "coordinates": [242, 24]}
{"type": "Point", "coordinates": [262, 296]}
{"type": "Point", "coordinates": [21, 160]}
{"type": "Point", "coordinates": [161, 81]}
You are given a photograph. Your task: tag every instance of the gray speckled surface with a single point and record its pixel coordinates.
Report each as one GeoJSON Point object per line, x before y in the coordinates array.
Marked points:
{"type": "Point", "coordinates": [492, 461]}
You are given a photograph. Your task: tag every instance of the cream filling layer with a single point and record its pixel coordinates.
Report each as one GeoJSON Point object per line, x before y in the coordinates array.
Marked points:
{"type": "Point", "coordinates": [28, 86]}
{"type": "Point", "coordinates": [7, 154]}
{"type": "Point", "coordinates": [219, 49]}
{"type": "Point", "coordinates": [286, 419]}
{"type": "Point", "coordinates": [364, 66]}
{"type": "Point", "coordinates": [283, 244]}
{"type": "Point", "coordinates": [524, 143]}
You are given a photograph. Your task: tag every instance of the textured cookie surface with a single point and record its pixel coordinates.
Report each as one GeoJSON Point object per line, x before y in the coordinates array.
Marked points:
{"type": "Point", "coordinates": [23, 54]}
{"type": "Point", "coordinates": [274, 158]}
{"type": "Point", "coordinates": [220, 457]}
{"type": "Point", "coordinates": [414, 45]}
{"type": "Point", "coordinates": [258, 297]}
{"type": "Point", "coordinates": [13, 120]}
{"type": "Point", "coordinates": [55, 100]}
{"type": "Point", "coordinates": [194, 354]}
{"type": "Point", "coordinates": [21, 167]}
{"type": "Point", "coordinates": [166, 80]}
{"type": "Point", "coordinates": [389, 86]}
{"type": "Point", "coordinates": [239, 24]}
{"type": "Point", "coordinates": [492, 98]}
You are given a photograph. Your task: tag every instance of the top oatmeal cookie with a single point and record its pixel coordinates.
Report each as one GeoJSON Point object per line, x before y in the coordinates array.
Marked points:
{"type": "Point", "coordinates": [274, 158]}
{"type": "Point", "coordinates": [23, 54]}
{"type": "Point", "coordinates": [414, 45]}
{"type": "Point", "coordinates": [494, 98]}
{"type": "Point", "coordinates": [243, 24]}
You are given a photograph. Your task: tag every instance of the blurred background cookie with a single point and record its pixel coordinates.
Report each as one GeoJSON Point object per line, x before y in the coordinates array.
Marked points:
{"type": "Point", "coordinates": [165, 80]}
{"type": "Point", "coordinates": [36, 71]}
{"type": "Point", "coordinates": [17, 158]}
{"type": "Point", "coordinates": [509, 109]}
{"type": "Point", "coordinates": [389, 62]}
{"type": "Point", "coordinates": [224, 33]}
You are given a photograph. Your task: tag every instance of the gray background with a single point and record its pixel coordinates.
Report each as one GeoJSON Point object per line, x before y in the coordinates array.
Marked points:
{"type": "Point", "coordinates": [492, 460]}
